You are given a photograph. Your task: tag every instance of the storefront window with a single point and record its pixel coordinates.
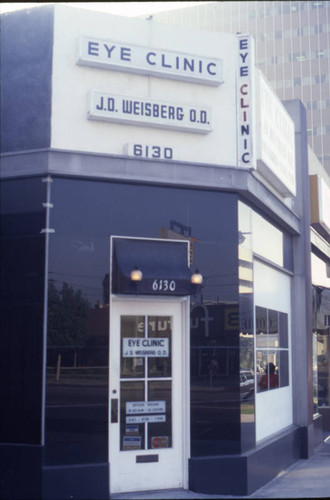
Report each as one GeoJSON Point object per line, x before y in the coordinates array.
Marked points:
{"type": "Point", "coordinates": [77, 356]}
{"type": "Point", "coordinates": [321, 332]}
{"type": "Point", "coordinates": [246, 334]}
{"type": "Point", "coordinates": [272, 349]}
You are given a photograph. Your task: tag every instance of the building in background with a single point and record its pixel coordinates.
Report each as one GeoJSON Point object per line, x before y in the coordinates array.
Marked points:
{"type": "Point", "coordinates": [292, 49]}
{"type": "Point", "coordinates": [136, 157]}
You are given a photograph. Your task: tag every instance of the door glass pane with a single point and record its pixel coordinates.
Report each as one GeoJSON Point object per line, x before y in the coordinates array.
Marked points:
{"type": "Point", "coordinates": [160, 335]}
{"type": "Point", "coordinates": [132, 431]}
{"type": "Point", "coordinates": [145, 405]}
{"type": "Point", "coordinates": [132, 328]}
{"type": "Point", "coordinates": [160, 433]}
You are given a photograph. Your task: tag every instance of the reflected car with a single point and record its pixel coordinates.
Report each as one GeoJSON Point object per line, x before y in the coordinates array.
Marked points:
{"type": "Point", "coordinates": [246, 383]}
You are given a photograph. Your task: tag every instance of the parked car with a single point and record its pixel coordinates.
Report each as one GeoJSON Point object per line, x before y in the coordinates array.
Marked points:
{"type": "Point", "coordinates": [246, 383]}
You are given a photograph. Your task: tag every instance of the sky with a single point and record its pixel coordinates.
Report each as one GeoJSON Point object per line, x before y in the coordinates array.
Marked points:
{"type": "Point", "coordinates": [128, 9]}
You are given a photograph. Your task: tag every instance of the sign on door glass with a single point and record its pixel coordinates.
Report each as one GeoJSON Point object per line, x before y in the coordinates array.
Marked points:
{"type": "Point", "coordinates": [146, 382]}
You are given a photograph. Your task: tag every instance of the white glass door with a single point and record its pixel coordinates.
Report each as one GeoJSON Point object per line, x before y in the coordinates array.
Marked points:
{"type": "Point", "coordinates": [148, 419]}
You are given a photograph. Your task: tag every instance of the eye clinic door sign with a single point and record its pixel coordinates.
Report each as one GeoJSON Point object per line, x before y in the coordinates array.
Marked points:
{"type": "Point", "coordinates": [106, 106]}
{"type": "Point", "coordinates": [141, 347]}
{"type": "Point", "coordinates": [119, 56]}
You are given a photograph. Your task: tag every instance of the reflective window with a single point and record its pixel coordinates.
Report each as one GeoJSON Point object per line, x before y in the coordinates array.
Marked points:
{"type": "Point", "coordinates": [321, 329]}
{"type": "Point", "coordinates": [85, 215]}
{"type": "Point", "coordinates": [246, 331]}
{"type": "Point", "coordinates": [272, 353]}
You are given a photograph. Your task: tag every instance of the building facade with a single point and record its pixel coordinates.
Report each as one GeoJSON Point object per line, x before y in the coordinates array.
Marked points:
{"type": "Point", "coordinates": [131, 170]}
{"type": "Point", "coordinates": [292, 49]}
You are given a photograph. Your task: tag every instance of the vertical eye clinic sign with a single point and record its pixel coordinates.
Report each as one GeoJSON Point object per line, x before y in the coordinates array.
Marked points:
{"type": "Point", "coordinates": [119, 56]}
{"type": "Point", "coordinates": [244, 102]}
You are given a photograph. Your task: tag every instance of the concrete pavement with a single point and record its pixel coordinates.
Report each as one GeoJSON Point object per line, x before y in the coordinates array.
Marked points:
{"type": "Point", "coordinates": [304, 479]}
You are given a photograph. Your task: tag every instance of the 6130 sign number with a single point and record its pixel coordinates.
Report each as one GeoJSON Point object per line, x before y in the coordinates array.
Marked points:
{"type": "Point", "coordinates": [163, 285]}
{"type": "Point", "coordinates": [147, 151]}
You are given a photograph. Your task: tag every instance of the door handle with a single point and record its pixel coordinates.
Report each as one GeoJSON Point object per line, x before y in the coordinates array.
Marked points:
{"type": "Point", "coordinates": [114, 411]}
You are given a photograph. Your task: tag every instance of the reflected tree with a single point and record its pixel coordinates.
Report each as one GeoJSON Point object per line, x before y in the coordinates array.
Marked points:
{"type": "Point", "coordinates": [68, 313]}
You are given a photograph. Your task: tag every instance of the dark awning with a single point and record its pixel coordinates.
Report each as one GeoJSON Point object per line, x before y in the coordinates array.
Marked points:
{"type": "Point", "coordinates": [164, 265]}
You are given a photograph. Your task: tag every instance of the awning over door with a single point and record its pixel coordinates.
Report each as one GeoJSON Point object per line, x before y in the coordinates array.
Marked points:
{"type": "Point", "coordinates": [163, 263]}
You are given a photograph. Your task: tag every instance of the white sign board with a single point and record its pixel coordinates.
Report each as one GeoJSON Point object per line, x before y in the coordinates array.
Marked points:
{"type": "Point", "coordinates": [121, 56]}
{"type": "Point", "coordinates": [276, 140]}
{"type": "Point", "coordinates": [245, 104]}
{"type": "Point", "coordinates": [145, 419]}
{"type": "Point", "coordinates": [145, 407]}
{"type": "Point", "coordinates": [106, 106]}
{"type": "Point", "coordinates": [145, 347]}
{"type": "Point", "coordinates": [188, 100]}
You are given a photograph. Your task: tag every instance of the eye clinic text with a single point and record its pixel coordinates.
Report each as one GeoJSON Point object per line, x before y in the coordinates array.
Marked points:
{"type": "Point", "coordinates": [244, 122]}
{"type": "Point", "coordinates": [167, 64]}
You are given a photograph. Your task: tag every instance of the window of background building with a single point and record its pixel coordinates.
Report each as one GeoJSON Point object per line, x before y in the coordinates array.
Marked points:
{"type": "Point", "coordinates": [306, 80]}
{"type": "Point", "coordinates": [323, 78]}
{"type": "Point", "coordinates": [311, 104]}
{"type": "Point", "coordinates": [317, 5]}
{"type": "Point", "coordinates": [312, 131]}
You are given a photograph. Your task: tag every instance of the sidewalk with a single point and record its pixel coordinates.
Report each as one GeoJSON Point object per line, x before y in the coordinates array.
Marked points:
{"type": "Point", "coordinates": [304, 479]}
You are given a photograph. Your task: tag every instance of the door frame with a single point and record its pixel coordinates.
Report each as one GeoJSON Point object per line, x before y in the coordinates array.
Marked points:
{"type": "Point", "coordinates": [185, 364]}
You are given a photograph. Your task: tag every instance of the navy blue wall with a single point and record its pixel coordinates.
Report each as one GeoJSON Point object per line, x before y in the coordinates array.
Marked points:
{"type": "Point", "coordinates": [22, 265]}
{"type": "Point", "coordinates": [26, 70]}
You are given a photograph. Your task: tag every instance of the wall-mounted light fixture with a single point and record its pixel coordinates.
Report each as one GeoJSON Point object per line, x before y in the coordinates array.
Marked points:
{"type": "Point", "coordinates": [136, 274]}
{"type": "Point", "coordinates": [196, 278]}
